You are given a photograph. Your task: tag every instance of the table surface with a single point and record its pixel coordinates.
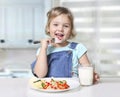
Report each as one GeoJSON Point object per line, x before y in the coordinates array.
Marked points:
{"type": "Point", "coordinates": [13, 87]}
{"type": "Point", "coordinates": [19, 87]}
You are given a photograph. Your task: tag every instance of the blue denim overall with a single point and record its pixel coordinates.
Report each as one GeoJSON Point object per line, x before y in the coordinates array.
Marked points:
{"type": "Point", "coordinates": [60, 63]}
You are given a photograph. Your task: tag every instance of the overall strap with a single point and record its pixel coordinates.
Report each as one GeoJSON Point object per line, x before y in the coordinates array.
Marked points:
{"type": "Point", "coordinates": [73, 45]}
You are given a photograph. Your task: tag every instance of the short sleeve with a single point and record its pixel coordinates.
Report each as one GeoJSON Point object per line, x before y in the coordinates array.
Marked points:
{"type": "Point", "coordinates": [80, 50]}
{"type": "Point", "coordinates": [48, 50]}
{"type": "Point", "coordinates": [37, 53]}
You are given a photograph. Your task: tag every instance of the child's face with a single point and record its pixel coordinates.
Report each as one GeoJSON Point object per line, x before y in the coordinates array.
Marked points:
{"type": "Point", "coordinates": [60, 28]}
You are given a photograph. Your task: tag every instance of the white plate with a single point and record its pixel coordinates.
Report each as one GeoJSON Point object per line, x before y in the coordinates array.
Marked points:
{"type": "Point", "coordinates": [73, 83]}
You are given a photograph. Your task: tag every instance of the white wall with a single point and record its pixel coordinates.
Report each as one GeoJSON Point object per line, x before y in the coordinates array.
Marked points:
{"type": "Point", "coordinates": [21, 21]}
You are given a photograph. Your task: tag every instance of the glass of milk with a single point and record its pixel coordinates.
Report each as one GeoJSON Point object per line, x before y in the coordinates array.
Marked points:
{"type": "Point", "coordinates": [85, 75]}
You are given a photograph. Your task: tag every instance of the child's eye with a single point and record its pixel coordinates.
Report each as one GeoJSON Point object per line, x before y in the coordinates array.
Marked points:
{"type": "Point", "coordinates": [55, 24]}
{"type": "Point", "coordinates": [66, 26]}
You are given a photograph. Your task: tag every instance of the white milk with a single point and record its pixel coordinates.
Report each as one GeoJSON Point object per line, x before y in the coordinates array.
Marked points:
{"type": "Point", "coordinates": [86, 75]}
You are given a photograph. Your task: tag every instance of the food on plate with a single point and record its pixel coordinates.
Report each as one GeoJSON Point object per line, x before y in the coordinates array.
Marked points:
{"type": "Point", "coordinates": [51, 84]}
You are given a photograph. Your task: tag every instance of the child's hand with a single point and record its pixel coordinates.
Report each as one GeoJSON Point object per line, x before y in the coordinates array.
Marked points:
{"type": "Point", "coordinates": [46, 42]}
{"type": "Point", "coordinates": [96, 78]}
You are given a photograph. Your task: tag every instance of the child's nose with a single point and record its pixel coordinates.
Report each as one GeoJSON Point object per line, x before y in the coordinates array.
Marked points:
{"type": "Point", "coordinates": [60, 28]}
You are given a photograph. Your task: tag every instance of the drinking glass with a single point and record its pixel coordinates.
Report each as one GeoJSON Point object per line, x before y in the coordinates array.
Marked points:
{"type": "Point", "coordinates": [86, 75]}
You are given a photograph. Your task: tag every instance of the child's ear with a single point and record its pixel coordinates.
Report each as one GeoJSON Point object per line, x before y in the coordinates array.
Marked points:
{"type": "Point", "coordinates": [48, 30]}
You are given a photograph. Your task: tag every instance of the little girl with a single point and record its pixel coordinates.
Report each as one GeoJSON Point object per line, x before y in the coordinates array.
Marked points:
{"type": "Point", "coordinates": [60, 58]}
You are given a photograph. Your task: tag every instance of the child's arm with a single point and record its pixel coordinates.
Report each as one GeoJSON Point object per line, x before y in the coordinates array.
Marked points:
{"type": "Point", "coordinates": [41, 66]}
{"type": "Point", "coordinates": [85, 62]}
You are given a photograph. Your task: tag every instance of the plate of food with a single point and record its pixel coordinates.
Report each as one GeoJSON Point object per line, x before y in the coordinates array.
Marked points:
{"type": "Point", "coordinates": [53, 84]}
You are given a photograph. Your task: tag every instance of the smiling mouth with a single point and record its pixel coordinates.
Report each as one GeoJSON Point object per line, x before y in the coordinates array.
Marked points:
{"type": "Point", "coordinates": [59, 35]}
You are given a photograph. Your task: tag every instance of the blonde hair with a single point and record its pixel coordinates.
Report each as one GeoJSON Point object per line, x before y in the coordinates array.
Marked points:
{"type": "Point", "coordinates": [56, 11]}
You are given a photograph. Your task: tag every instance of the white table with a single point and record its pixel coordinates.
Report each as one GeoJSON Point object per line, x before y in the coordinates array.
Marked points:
{"type": "Point", "coordinates": [106, 88]}
{"type": "Point", "coordinates": [13, 87]}
{"type": "Point", "coordinates": [18, 87]}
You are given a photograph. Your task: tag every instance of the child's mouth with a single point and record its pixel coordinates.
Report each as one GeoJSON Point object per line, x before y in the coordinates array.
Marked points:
{"type": "Point", "coordinates": [59, 36]}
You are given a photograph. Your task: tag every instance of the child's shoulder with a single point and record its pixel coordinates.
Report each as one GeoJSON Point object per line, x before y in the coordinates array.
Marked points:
{"type": "Point", "coordinates": [77, 45]}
